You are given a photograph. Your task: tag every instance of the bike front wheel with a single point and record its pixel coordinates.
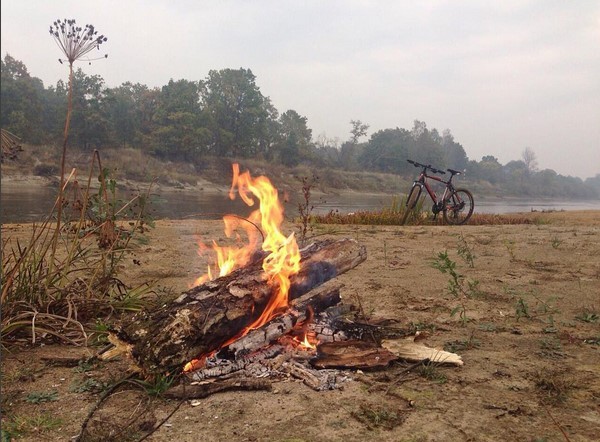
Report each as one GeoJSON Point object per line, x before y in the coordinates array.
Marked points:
{"type": "Point", "coordinates": [458, 208]}
{"type": "Point", "coordinates": [411, 202]}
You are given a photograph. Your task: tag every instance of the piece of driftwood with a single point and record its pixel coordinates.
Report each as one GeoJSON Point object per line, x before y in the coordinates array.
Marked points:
{"type": "Point", "coordinates": [199, 391]}
{"type": "Point", "coordinates": [352, 354]}
{"type": "Point", "coordinates": [202, 319]}
{"type": "Point", "coordinates": [410, 350]}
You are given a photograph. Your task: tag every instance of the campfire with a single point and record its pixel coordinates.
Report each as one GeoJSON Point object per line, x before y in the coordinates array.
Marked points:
{"type": "Point", "coordinates": [264, 308]}
{"type": "Point", "coordinates": [282, 258]}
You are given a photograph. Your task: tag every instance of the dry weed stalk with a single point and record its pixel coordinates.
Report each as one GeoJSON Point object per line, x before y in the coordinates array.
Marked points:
{"type": "Point", "coordinates": [75, 43]}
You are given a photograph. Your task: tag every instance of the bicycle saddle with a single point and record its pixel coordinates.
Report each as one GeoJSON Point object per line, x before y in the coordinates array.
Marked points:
{"type": "Point", "coordinates": [454, 172]}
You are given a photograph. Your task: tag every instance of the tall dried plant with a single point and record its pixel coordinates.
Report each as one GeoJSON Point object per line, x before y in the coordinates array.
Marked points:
{"type": "Point", "coordinates": [45, 291]}
{"type": "Point", "coordinates": [75, 43]}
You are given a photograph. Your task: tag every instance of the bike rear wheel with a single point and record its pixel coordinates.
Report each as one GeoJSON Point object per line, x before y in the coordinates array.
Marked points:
{"type": "Point", "coordinates": [411, 202]}
{"type": "Point", "coordinates": [459, 207]}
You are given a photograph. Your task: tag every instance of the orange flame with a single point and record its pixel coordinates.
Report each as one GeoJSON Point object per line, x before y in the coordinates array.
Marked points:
{"type": "Point", "coordinates": [283, 258]}
{"type": "Point", "coordinates": [306, 343]}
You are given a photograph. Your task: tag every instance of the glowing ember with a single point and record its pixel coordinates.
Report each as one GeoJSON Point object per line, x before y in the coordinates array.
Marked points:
{"type": "Point", "coordinates": [194, 364]}
{"type": "Point", "coordinates": [305, 343]}
{"type": "Point", "coordinates": [283, 255]}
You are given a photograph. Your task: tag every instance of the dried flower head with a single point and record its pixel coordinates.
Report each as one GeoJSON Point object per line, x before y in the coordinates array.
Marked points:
{"type": "Point", "coordinates": [74, 41]}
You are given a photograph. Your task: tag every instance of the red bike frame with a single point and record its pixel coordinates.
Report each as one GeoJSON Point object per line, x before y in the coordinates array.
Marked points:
{"type": "Point", "coordinates": [422, 181]}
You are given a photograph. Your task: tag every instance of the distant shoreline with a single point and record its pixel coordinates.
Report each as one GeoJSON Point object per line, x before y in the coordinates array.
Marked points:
{"type": "Point", "coordinates": [27, 198]}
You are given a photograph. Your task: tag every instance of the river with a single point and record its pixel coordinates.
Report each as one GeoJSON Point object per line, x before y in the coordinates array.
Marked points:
{"type": "Point", "coordinates": [31, 203]}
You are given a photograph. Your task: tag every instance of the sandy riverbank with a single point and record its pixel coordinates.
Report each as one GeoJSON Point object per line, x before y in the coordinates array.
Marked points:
{"type": "Point", "coordinates": [532, 329]}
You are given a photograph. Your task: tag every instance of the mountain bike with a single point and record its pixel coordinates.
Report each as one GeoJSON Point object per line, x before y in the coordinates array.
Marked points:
{"type": "Point", "coordinates": [456, 204]}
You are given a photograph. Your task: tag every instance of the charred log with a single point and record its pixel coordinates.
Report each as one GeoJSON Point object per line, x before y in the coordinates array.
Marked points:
{"type": "Point", "coordinates": [352, 354]}
{"type": "Point", "coordinates": [202, 319]}
{"type": "Point", "coordinates": [314, 301]}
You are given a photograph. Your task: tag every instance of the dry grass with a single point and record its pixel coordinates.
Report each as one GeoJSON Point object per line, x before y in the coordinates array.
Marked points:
{"type": "Point", "coordinates": [61, 276]}
{"type": "Point", "coordinates": [553, 385]}
{"type": "Point", "coordinates": [394, 214]}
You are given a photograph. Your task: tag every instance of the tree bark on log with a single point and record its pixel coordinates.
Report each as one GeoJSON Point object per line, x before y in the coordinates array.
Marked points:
{"type": "Point", "coordinates": [202, 319]}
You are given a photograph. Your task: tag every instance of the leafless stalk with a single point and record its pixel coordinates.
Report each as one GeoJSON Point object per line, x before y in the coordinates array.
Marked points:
{"type": "Point", "coordinates": [75, 43]}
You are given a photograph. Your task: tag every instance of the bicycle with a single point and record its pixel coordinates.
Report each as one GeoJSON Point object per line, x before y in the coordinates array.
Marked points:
{"type": "Point", "coordinates": [456, 204]}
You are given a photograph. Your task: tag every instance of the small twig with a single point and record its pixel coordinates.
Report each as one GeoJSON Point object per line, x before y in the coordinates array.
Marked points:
{"type": "Point", "coordinates": [406, 370]}
{"type": "Point", "coordinates": [161, 423]}
{"type": "Point", "coordinates": [62, 361]}
{"type": "Point", "coordinates": [105, 395]}
{"type": "Point", "coordinates": [558, 425]}
{"type": "Point", "coordinates": [250, 222]}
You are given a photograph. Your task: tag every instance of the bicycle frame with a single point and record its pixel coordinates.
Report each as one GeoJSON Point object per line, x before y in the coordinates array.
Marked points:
{"type": "Point", "coordinates": [422, 182]}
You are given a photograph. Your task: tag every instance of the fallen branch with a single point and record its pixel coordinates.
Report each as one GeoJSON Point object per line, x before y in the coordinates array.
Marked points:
{"type": "Point", "coordinates": [200, 391]}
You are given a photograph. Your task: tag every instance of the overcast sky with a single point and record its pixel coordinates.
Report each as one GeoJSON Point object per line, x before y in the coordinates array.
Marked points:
{"type": "Point", "coordinates": [501, 75]}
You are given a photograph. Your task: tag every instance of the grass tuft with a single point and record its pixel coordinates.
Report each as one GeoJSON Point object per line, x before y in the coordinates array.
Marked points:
{"type": "Point", "coordinates": [378, 416]}
{"type": "Point", "coordinates": [554, 385]}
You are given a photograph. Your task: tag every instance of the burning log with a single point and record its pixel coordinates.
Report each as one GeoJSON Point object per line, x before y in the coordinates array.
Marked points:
{"type": "Point", "coordinates": [259, 346]}
{"type": "Point", "coordinates": [316, 301]}
{"type": "Point", "coordinates": [251, 363]}
{"type": "Point", "coordinates": [207, 317]}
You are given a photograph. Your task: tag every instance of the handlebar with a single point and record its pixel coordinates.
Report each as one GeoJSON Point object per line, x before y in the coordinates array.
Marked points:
{"type": "Point", "coordinates": [426, 166]}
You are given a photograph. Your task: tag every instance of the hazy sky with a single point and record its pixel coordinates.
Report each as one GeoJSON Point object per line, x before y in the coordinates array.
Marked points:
{"type": "Point", "coordinates": [501, 75]}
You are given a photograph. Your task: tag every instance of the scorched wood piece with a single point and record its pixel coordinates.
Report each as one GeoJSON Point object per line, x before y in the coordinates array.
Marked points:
{"type": "Point", "coordinates": [202, 319]}
{"type": "Point", "coordinates": [352, 354]}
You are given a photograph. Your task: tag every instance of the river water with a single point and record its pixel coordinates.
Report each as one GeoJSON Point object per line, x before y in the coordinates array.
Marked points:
{"type": "Point", "coordinates": [31, 203]}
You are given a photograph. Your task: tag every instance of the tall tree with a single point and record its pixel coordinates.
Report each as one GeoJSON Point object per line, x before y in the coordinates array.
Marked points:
{"type": "Point", "coordinates": [90, 126]}
{"type": "Point", "coordinates": [120, 103]}
{"type": "Point", "coordinates": [359, 129]}
{"type": "Point", "coordinates": [238, 114]}
{"type": "Point", "coordinates": [22, 101]}
{"type": "Point", "coordinates": [491, 169]}
{"type": "Point", "coordinates": [296, 138]}
{"type": "Point", "coordinates": [387, 151]}
{"type": "Point", "coordinates": [426, 146]}
{"type": "Point", "coordinates": [179, 131]}
{"type": "Point", "coordinates": [327, 151]}
{"type": "Point", "coordinates": [530, 159]}
{"type": "Point", "coordinates": [456, 157]}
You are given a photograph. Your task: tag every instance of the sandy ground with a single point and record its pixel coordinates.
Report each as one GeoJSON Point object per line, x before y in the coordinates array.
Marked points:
{"type": "Point", "coordinates": [529, 338]}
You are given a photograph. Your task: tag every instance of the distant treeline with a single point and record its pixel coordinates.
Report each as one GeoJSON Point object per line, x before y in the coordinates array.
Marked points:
{"type": "Point", "coordinates": [227, 115]}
